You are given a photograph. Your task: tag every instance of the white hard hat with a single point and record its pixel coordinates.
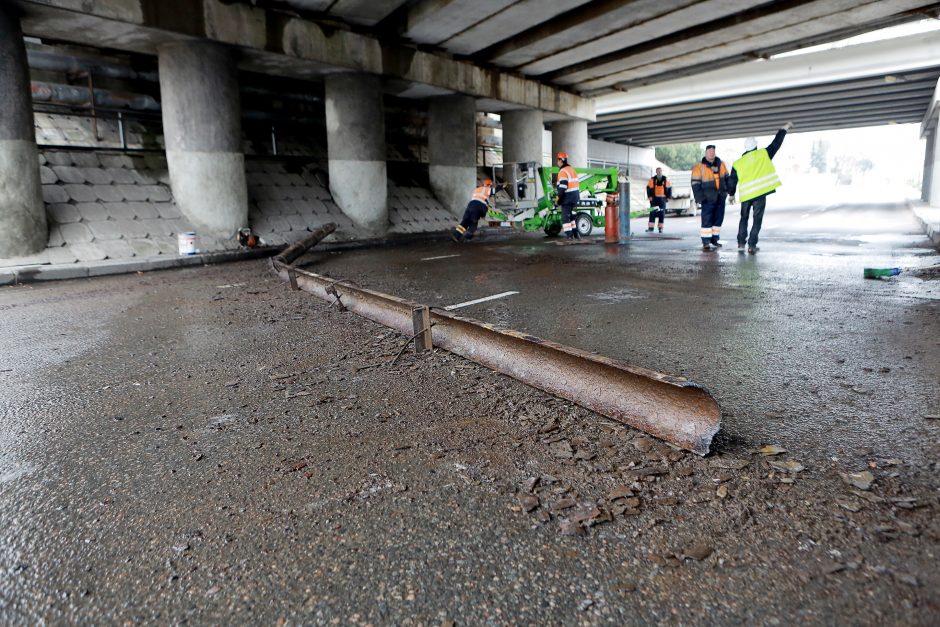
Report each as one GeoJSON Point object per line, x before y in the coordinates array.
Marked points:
{"type": "Point", "coordinates": [750, 143]}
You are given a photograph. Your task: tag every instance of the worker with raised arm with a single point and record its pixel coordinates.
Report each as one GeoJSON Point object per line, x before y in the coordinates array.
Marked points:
{"type": "Point", "coordinates": [754, 177]}
{"type": "Point", "coordinates": [658, 190]}
{"type": "Point", "coordinates": [710, 188]}
{"type": "Point", "coordinates": [569, 193]}
{"type": "Point", "coordinates": [476, 209]}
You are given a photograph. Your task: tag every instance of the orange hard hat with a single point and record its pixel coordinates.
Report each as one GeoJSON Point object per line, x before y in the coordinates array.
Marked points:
{"type": "Point", "coordinates": [563, 155]}
{"type": "Point", "coordinates": [487, 182]}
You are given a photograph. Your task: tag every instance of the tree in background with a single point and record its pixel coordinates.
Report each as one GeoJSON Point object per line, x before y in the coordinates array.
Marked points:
{"type": "Point", "coordinates": [679, 156]}
{"type": "Point", "coordinates": [817, 157]}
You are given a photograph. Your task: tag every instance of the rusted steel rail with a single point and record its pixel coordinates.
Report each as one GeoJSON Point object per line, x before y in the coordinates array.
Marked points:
{"type": "Point", "coordinates": [671, 408]}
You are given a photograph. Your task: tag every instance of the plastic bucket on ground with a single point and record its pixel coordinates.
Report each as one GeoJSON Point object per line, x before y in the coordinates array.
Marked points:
{"type": "Point", "coordinates": [187, 243]}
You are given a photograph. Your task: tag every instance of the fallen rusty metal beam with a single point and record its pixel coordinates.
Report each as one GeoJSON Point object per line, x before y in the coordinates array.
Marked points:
{"type": "Point", "coordinates": [673, 409]}
{"type": "Point", "coordinates": [290, 254]}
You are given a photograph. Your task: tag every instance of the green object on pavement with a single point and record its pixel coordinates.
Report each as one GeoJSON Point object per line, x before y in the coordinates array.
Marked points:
{"type": "Point", "coordinates": [878, 273]}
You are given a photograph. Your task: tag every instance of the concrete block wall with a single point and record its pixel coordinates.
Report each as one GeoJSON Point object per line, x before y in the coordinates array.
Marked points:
{"type": "Point", "coordinates": [286, 201]}
{"type": "Point", "coordinates": [104, 206]}
{"type": "Point", "coordinates": [114, 206]}
{"type": "Point", "coordinates": [414, 209]}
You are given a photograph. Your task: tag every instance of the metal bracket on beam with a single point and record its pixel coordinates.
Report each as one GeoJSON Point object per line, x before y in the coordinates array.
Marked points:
{"type": "Point", "coordinates": [292, 277]}
{"type": "Point", "coordinates": [421, 320]}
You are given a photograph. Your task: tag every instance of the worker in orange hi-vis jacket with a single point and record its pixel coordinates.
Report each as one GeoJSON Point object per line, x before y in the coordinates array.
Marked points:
{"type": "Point", "coordinates": [658, 190]}
{"type": "Point", "coordinates": [476, 209]}
{"type": "Point", "coordinates": [569, 193]}
{"type": "Point", "coordinates": [710, 188]}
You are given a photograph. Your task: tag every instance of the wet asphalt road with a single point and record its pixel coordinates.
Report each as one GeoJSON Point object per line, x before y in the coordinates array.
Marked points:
{"type": "Point", "coordinates": [206, 446]}
{"type": "Point", "coordinates": [793, 343]}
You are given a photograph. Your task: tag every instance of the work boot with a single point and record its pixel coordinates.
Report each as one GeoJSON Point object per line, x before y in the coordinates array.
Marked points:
{"type": "Point", "coordinates": [650, 230]}
{"type": "Point", "coordinates": [707, 247]}
{"type": "Point", "coordinates": [455, 235]}
{"type": "Point", "coordinates": [716, 244]}
{"type": "Point", "coordinates": [660, 229]}
{"type": "Point", "coordinates": [740, 248]}
{"type": "Point", "coordinates": [752, 250]}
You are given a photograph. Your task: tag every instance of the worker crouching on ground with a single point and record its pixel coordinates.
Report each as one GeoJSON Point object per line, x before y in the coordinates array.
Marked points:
{"type": "Point", "coordinates": [710, 188]}
{"type": "Point", "coordinates": [658, 190]}
{"type": "Point", "coordinates": [754, 177]}
{"type": "Point", "coordinates": [476, 209]}
{"type": "Point", "coordinates": [569, 193]}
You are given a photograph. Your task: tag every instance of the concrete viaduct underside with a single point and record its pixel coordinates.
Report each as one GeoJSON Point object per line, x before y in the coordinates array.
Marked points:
{"type": "Point", "coordinates": [535, 62]}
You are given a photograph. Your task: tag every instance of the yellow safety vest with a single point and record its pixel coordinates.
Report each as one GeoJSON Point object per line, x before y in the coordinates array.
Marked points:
{"type": "Point", "coordinates": [756, 175]}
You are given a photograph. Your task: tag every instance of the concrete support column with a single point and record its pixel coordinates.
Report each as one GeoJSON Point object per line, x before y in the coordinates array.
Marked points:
{"type": "Point", "coordinates": [522, 135]}
{"type": "Point", "coordinates": [452, 145]}
{"type": "Point", "coordinates": [202, 131]}
{"type": "Point", "coordinates": [930, 188]}
{"type": "Point", "coordinates": [23, 229]}
{"type": "Point", "coordinates": [571, 136]}
{"type": "Point", "coordinates": [355, 134]}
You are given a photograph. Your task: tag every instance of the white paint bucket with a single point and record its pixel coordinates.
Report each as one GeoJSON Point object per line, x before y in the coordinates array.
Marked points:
{"type": "Point", "coordinates": [187, 243]}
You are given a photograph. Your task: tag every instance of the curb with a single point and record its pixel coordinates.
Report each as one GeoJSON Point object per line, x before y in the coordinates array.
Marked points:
{"type": "Point", "coordinates": [929, 218]}
{"type": "Point", "coordinates": [16, 275]}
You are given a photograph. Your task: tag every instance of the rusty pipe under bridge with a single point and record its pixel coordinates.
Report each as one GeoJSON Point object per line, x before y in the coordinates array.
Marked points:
{"type": "Point", "coordinates": [671, 408]}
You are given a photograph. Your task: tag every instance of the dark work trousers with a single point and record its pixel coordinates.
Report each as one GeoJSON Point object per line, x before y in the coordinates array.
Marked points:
{"type": "Point", "coordinates": [567, 215]}
{"type": "Point", "coordinates": [757, 205]}
{"type": "Point", "coordinates": [660, 213]}
{"type": "Point", "coordinates": [713, 214]}
{"type": "Point", "coordinates": [471, 215]}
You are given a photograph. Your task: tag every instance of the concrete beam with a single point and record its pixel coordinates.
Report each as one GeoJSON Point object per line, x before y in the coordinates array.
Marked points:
{"type": "Point", "coordinates": [281, 44]}
{"type": "Point", "coordinates": [878, 58]}
{"type": "Point", "coordinates": [734, 129]}
{"type": "Point", "coordinates": [23, 228]}
{"type": "Point", "coordinates": [761, 27]}
{"type": "Point", "coordinates": [436, 21]}
{"type": "Point", "coordinates": [505, 24]}
{"type": "Point", "coordinates": [452, 144]}
{"type": "Point", "coordinates": [202, 130]}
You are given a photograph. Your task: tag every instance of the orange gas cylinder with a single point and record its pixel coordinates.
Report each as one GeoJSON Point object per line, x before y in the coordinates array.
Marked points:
{"type": "Point", "coordinates": [612, 219]}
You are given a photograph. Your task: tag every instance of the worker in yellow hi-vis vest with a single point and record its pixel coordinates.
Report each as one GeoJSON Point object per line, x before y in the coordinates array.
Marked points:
{"type": "Point", "coordinates": [753, 177]}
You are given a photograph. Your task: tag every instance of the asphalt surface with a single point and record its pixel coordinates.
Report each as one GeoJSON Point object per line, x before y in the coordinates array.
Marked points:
{"type": "Point", "coordinates": [205, 445]}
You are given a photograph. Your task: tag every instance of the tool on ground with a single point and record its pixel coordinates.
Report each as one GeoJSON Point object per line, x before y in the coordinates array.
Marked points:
{"type": "Point", "coordinates": [671, 408]}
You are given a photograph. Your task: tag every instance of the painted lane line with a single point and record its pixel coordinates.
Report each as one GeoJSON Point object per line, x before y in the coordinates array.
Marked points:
{"type": "Point", "coordinates": [441, 257]}
{"type": "Point", "coordinates": [479, 300]}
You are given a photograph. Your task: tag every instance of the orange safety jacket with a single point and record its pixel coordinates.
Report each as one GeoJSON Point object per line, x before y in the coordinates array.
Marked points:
{"type": "Point", "coordinates": [569, 187]}
{"type": "Point", "coordinates": [482, 194]}
{"type": "Point", "coordinates": [709, 181]}
{"type": "Point", "coordinates": [658, 188]}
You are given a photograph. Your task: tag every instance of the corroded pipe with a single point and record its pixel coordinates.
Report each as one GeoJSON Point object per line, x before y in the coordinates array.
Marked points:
{"type": "Point", "coordinates": [671, 408]}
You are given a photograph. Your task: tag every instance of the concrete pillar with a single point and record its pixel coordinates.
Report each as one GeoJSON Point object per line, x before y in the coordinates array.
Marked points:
{"type": "Point", "coordinates": [522, 135]}
{"type": "Point", "coordinates": [931, 184]}
{"type": "Point", "coordinates": [571, 136]}
{"type": "Point", "coordinates": [452, 145]}
{"type": "Point", "coordinates": [202, 130]}
{"type": "Point", "coordinates": [23, 229]}
{"type": "Point", "coordinates": [355, 134]}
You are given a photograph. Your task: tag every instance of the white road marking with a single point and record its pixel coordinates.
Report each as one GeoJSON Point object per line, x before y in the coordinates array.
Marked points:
{"type": "Point", "coordinates": [224, 287]}
{"type": "Point", "coordinates": [441, 257]}
{"type": "Point", "coordinates": [479, 300]}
